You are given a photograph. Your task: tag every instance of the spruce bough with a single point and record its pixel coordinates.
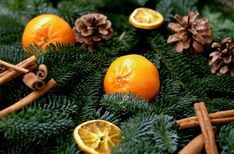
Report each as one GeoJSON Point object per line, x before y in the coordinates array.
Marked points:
{"type": "Point", "coordinates": [46, 126]}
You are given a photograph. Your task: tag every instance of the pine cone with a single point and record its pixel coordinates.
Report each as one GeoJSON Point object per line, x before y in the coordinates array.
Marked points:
{"type": "Point", "coordinates": [191, 34]}
{"type": "Point", "coordinates": [92, 28]}
{"type": "Point", "coordinates": [222, 57]}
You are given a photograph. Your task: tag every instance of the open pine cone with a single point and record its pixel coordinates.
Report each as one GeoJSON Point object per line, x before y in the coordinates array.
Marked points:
{"type": "Point", "coordinates": [222, 57]}
{"type": "Point", "coordinates": [191, 34]}
{"type": "Point", "coordinates": [92, 28]}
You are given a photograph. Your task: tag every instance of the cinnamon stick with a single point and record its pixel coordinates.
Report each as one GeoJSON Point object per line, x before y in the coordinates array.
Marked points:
{"type": "Point", "coordinates": [216, 115]}
{"type": "Point", "coordinates": [28, 99]}
{"type": "Point", "coordinates": [2, 69]}
{"type": "Point", "coordinates": [14, 67]}
{"type": "Point", "coordinates": [8, 75]}
{"type": "Point", "coordinates": [33, 82]}
{"type": "Point", "coordinates": [193, 147]}
{"type": "Point", "coordinates": [194, 123]}
{"type": "Point", "coordinates": [42, 72]}
{"type": "Point", "coordinates": [206, 128]}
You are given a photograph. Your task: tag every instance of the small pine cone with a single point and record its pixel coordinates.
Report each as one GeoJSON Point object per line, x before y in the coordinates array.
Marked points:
{"type": "Point", "coordinates": [222, 57]}
{"type": "Point", "coordinates": [192, 34]}
{"type": "Point", "coordinates": [92, 28]}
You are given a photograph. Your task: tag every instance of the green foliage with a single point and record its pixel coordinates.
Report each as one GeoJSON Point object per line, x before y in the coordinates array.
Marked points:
{"type": "Point", "coordinates": [46, 126]}
{"type": "Point", "coordinates": [149, 131]}
{"type": "Point", "coordinates": [71, 12]}
{"type": "Point", "coordinates": [165, 8]}
{"type": "Point", "coordinates": [10, 28]}
{"type": "Point", "coordinates": [222, 24]}
{"type": "Point", "coordinates": [125, 104]}
{"type": "Point", "coordinates": [183, 7]}
{"type": "Point", "coordinates": [226, 137]}
{"type": "Point", "coordinates": [35, 124]}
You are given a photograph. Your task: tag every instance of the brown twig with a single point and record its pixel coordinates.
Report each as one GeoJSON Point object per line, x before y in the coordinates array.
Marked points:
{"type": "Point", "coordinates": [8, 75]}
{"type": "Point", "coordinates": [28, 99]}
{"type": "Point", "coordinates": [206, 128]}
{"type": "Point", "coordinates": [14, 67]}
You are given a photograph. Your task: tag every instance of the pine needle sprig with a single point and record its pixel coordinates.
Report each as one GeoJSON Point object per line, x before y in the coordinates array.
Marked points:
{"type": "Point", "coordinates": [35, 124]}
{"type": "Point", "coordinates": [9, 35]}
{"type": "Point", "coordinates": [226, 137]}
{"type": "Point", "coordinates": [12, 53]}
{"type": "Point", "coordinates": [141, 129]}
{"type": "Point", "coordinates": [57, 104]}
{"type": "Point", "coordinates": [125, 103]}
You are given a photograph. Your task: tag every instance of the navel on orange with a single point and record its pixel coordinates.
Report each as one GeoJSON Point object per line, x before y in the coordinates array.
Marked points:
{"type": "Point", "coordinates": [132, 73]}
{"type": "Point", "coordinates": [45, 29]}
{"type": "Point", "coordinates": [145, 18]}
{"type": "Point", "coordinates": [97, 136]}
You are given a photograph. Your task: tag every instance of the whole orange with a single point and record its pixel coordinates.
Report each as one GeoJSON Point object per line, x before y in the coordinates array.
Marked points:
{"type": "Point", "coordinates": [132, 73]}
{"type": "Point", "coordinates": [45, 29]}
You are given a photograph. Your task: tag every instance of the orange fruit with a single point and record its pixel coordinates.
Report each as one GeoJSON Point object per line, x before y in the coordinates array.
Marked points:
{"type": "Point", "coordinates": [45, 29]}
{"type": "Point", "coordinates": [132, 73]}
{"type": "Point", "coordinates": [97, 136]}
{"type": "Point", "coordinates": [145, 18]}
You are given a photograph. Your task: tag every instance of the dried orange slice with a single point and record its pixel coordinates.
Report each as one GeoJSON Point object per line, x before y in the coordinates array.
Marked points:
{"type": "Point", "coordinates": [97, 136]}
{"type": "Point", "coordinates": [145, 18]}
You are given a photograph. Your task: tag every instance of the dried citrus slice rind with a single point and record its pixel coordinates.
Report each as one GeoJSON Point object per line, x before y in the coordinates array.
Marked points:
{"type": "Point", "coordinates": [97, 136]}
{"type": "Point", "coordinates": [145, 18]}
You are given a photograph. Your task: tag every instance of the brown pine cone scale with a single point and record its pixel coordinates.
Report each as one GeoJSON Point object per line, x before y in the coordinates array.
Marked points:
{"type": "Point", "coordinates": [222, 57]}
{"type": "Point", "coordinates": [192, 34]}
{"type": "Point", "coordinates": [92, 28]}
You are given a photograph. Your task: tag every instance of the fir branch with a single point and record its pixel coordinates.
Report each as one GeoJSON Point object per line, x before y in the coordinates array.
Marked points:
{"type": "Point", "coordinates": [216, 86]}
{"type": "Point", "coordinates": [125, 103]}
{"type": "Point", "coordinates": [222, 25]}
{"type": "Point", "coordinates": [12, 53]}
{"type": "Point", "coordinates": [183, 7]}
{"type": "Point", "coordinates": [86, 95]}
{"type": "Point", "coordinates": [138, 127]}
{"type": "Point", "coordinates": [119, 46]}
{"type": "Point", "coordinates": [165, 137]}
{"type": "Point", "coordinates": [226, 137]}
{"type": "Point", "coordinates": [9, 35]}
{"type": "Point", "coordinates": [70, 12]}
{"type": "Point", "coordinates": [57, 104]}
{"type": "Point", "coordinates": [66, 145]}
{"type": "Point", "coordinates": [112, 117]}
{"type": "Point", "coordinates": [220, 104]}
{"type": "Point", "coordinates": [165, 8]}
{"type": "Point", "coordinates": [23, 145]}
{"type": "Point", "coordinates": [139, 131]}
{"type": "Point", "coordinates": [138, 2]}
{"type": "Point", "coordinates": [12, 92]}
{"type": "Point", "coordinates": [178, 107]}
{"type": "Point", "coordinates": [35, 124]}
{"type": "Point", "coordinates": [170, 87]}
{"type": "Point", "coordinates": [37, 7]}
{"type": "Point", "coordinates": [175, 62]}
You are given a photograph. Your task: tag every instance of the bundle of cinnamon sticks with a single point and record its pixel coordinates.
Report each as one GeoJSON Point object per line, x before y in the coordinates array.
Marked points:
{"type": "Point", "coordinates": [205, 121]}
{"type": "Point", "coordinates": [33, 81]}
{"type": "Point", "coordinates": [11, 71]}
